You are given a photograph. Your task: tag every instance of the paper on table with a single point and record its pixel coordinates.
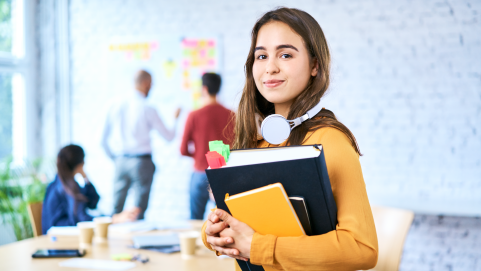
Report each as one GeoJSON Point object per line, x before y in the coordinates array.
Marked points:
{"type": "Point", "coordinates": [143, 226]}
{"type": "Point", "coordinates": [63, 231]}
{"type": "Point", "coordinates": [136, 226]}
{"type": "Point", "coordinates": [97, 264]}
{"type": "Point", "coordinates": [157, 240]}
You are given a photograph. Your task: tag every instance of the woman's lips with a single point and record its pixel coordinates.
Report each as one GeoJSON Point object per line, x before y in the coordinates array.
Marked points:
{"type": "Point", "coordinates": [273, 83]}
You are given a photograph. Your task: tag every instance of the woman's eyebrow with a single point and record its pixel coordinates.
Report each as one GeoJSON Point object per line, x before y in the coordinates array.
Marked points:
{"type": "Point", "coordinates": [283, 46]}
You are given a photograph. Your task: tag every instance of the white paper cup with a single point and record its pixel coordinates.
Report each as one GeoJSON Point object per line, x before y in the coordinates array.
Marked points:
{"type": "Point", "coordinates": [187, 243]}
{"type": "Point", "coordinates": [86, 233]}
{"type": "Point", "coordinates": [102, 228]}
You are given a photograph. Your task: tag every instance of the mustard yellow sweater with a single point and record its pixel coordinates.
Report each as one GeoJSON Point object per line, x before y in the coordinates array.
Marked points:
{"type": "Point", "coordinates": [353, 245]}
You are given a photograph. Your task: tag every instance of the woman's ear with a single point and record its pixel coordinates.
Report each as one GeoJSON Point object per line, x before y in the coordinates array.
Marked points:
{"type": "Point", "coordinates": [315, 67]}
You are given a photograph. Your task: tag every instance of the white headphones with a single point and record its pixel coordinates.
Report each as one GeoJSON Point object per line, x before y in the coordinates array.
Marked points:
{"type": "Point", "coordinates": [275, 129]}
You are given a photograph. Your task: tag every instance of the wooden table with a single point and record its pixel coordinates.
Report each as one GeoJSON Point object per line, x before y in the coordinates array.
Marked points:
{"type": "Point", "coordinates": [17, 256]}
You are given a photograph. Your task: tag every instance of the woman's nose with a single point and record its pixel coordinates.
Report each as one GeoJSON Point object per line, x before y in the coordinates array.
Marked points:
{"type": "Point", "coordinates": [272, 67]}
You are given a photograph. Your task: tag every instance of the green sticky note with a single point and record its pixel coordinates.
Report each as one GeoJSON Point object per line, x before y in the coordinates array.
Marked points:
{"type": "Point", "coordinates": [221, 148]}
{"type": "Point", "coordinates": [121, 257]}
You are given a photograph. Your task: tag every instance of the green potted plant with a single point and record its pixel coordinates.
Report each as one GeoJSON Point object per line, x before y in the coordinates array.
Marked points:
{"type": "Point", "coordinates": [20, 186]}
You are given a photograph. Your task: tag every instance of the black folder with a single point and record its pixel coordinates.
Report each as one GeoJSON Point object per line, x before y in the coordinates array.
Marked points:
{"type": "Point", "coordinates": [305, 177]}
{"type": "Point", "coordinates": [299, 205]}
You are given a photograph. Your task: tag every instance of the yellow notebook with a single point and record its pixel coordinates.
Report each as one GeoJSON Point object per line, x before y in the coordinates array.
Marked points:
{"type": "Point", "coordinates": [267, 210]}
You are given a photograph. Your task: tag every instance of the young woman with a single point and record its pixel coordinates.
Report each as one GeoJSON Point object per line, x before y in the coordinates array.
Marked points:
{"type": "Point", "coordinates": [65, 201]}
{"type": "Point", "coordinates": [287, 73]}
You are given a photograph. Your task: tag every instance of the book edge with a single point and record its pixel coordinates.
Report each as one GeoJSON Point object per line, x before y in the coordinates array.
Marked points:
{"type": "Point", "coordinates": [319, 165]}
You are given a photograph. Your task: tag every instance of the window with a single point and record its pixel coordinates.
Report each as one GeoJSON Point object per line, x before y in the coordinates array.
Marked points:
{"type": "Point", "coordinates": [11, 29]}
{"type": "Point", "coordinates": [13, 69]}
{"type": "Point", "coordinates": [6, 114]}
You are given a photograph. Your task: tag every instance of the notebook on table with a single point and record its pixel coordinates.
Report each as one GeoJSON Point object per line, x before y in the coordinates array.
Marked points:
{"type": "Point", "coordinates": [156, 241]}
{"type": "Point", "coordinates": [301, 170]}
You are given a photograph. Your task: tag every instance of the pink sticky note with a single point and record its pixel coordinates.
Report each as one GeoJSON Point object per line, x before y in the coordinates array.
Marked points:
{"type": "Point", "coordinates": [215, 160]}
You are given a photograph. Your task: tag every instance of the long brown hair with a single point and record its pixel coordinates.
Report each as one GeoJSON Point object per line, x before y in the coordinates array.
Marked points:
{"type": "Point", "coordinates": [68, 158]}
{"type": "Point", "coordinates": [252, 102]}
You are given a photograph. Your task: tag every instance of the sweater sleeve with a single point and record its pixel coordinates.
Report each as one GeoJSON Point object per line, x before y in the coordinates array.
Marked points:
{"type": "Point", "coordinates": [353, 245]}
{"type": "Point", "coordinates": [78, 211]}
{"type": "Point", "coordinates": [92, 196]}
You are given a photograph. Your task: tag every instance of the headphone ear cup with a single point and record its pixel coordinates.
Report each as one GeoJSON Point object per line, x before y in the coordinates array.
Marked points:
{"type": "Point", "coordinates": [275, 129]}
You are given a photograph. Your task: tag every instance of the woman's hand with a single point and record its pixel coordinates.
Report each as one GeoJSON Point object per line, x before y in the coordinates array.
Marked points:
{"type": "Point", "coordinates": [234, 239]}
{"type": "Point", "coordinates": [212, 230]}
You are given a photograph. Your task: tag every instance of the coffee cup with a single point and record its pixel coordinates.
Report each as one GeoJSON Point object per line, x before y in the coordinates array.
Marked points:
{"type": "Point", "coordinates": [86, 233]}
{"type": "Point", "coordinates": [187, 243]}
{"type": "Point", "coordinates": [102, 228]}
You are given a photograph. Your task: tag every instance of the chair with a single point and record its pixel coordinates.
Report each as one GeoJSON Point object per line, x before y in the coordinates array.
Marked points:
{"type": "Point", "coordinates": [35, 213]}
{"type": "Point", "coordinates": [392, 226]}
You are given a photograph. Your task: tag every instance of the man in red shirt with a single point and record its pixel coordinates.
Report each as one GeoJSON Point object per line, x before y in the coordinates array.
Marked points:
{"type": "Point", "coordinates": [211, 122]}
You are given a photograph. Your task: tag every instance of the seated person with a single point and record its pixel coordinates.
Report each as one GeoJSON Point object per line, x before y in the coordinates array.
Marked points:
{"type": "Point", "coordinates": [65, 202]}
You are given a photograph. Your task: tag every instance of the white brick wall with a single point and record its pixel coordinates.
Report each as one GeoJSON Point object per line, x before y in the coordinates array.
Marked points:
{"type": "Point", "coordinates": [406, 81]}
{"type": "Point", "coordinates": [436, 243]}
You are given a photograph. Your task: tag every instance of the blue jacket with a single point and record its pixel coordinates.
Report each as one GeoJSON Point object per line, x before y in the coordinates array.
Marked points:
{"type": "Point", "coordinates": [58, 206]}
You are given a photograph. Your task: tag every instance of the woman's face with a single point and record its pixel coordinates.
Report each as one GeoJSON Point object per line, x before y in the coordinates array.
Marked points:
{"type": "Point", "coordinates": [281, 67]}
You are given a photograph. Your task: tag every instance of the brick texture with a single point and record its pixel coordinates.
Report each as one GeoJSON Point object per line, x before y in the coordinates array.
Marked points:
{"type": "Point", "coordinates": [438, 243]}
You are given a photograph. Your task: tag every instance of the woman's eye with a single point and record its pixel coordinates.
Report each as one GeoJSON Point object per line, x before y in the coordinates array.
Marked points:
{"type": "Point", "coordinates": [286, 56]}
{"type": "Point", "coordinates": [261, 57]}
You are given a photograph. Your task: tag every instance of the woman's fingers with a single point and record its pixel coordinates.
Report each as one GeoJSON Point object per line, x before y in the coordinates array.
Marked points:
{"type": "Point", "coordinates": [240, 232]}
{"type": "Point", "coordinates": [237, 257]}
{"type": "Point", "coordinates": [226, 217]}
{"type": "Point", "coordinates": [219, 241]}
{"type": "Point", "coordinates": [213, 217]}
{"type": "Point", "coordinates": [227, 232]}
{"type": "Point", "coordinates": [231, 252]}
{"type": "Point", "coordinates": [214, 229]}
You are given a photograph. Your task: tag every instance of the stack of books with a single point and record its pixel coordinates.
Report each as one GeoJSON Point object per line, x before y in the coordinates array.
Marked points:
{"type": "Point", "coordinates": [283, 191]}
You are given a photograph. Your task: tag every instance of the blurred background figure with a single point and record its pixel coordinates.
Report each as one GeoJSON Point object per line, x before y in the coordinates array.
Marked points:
{"type": "Point", "coordinates": [211, 122]}
{"type": "Point", "coordinates": [132, 119]}
{"type": "Point", "coordinates": [66, 203]}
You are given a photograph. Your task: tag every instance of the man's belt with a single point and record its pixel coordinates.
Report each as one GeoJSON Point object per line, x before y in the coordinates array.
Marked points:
{"type": "Point", "coordinates": [147, 155]}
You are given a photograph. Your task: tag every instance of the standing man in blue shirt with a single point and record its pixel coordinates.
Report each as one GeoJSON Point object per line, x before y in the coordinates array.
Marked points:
{"type": "Point", "coordinates": [131, 121]}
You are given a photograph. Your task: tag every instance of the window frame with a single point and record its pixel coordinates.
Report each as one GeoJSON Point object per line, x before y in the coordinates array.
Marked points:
{"type": "Point", "coordinates": [25, 65]}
